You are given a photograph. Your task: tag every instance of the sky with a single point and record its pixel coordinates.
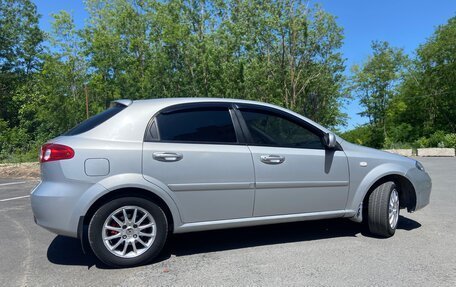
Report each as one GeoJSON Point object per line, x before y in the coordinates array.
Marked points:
{"type": "Point", "coordinates": [403, 23]}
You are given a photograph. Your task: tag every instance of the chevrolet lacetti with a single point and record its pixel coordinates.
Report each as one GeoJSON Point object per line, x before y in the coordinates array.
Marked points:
{"type": "Point", "coordinates": [125, 179]}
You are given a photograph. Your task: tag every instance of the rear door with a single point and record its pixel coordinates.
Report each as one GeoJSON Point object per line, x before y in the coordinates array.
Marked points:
{"type": "Point", "coordinates": [195, 150]}
{"type": "Point", "coordinates": [294, 172]}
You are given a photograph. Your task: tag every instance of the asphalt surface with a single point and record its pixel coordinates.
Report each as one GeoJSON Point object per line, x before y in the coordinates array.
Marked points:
{"type": "Point", "coordinates": [320, 253]}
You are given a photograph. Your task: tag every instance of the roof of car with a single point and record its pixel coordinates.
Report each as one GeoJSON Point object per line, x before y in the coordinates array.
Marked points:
{"type": "Point", "coordinates": [164, 102]}
{"type": "Point", "coordinates": [172, 101]}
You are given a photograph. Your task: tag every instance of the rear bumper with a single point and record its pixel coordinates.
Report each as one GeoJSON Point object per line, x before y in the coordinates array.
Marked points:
{"type": "Point", "coordinates": [54, 205]}
{"type": "Point", "coordinates": [422, 183]}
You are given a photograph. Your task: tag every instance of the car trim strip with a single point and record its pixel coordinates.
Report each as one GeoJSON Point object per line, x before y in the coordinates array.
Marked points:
{"type": "Point", "coordinates": [258, 185]}
{"type": "Point", "coordinates": [298, 184]}
{"type": "Point", "coordinates": [211, 186]}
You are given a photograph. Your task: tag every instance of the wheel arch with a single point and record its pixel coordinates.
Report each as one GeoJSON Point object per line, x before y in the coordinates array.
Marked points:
{"type": "Point", "coordinates": [407, 193]}
{"type": "Point", "coordinates": [118, 186]}
{"type": "Point", "coordinates": [130, 192]}
{"type": "Point", "coordinates": [84, 220]}
{"type": "Point", "coordinates": [378, 175]}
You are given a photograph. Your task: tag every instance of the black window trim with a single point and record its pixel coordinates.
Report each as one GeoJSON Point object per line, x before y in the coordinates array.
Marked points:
{"type": "Point", "coordinates": [242, 132]}
{"type": "Point", "coordinates": [282, 114]}
{"type": "Point", "coordinates": [152, 133]}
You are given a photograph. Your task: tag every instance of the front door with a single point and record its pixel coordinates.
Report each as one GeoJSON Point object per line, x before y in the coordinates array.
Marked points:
{"type": "Point", "coordinates": [294, 173]}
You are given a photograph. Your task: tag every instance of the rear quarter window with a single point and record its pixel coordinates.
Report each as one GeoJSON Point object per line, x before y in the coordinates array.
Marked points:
{"type": "Point", "coordinates": [96, 120]}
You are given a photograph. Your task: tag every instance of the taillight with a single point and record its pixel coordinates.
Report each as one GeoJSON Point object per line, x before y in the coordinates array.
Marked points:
{"type": "Point", "coordinates": [51, 152]}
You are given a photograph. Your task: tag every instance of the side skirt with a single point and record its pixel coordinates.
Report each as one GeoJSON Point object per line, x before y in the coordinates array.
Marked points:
{"type": "Point", "coordinates": [261, 220]}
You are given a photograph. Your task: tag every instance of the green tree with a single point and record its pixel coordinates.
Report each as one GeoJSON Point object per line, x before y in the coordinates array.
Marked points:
{"type": "Point", "coordinates": [278, 51]}
{"type": "Point", "coordinates": [376, 83]}
{"type": "Point", "coordinates": [428, 95]}
{"type": "Point", "coordinates": [283, 52]}
{"type": "Point", "coordinates": [20, 49]}
{"type": "Point", "coordinates": [361, 135]}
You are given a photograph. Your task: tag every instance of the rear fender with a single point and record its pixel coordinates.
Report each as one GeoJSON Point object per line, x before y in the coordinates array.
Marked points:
{"type": "Point", "coordinates": [121, 181]}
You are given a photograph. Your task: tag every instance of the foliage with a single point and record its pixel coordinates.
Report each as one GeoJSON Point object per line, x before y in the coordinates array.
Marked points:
{"type": "Point", "coordinates": [429, 91]}
{"type": "Point", "coordinates": [20, 50]}
{"type": "Point", "coordinates": [376, 83]}
{"type": "Point", "coordinates": [437, 139]}
{"type": "Point", "coordinates": [277, 51]}
{"type": "Point", "coordinates": [450, 140]}
{"type": "Point", "coordinates": [360, 135]}
{"type": "Point", "coordinates": [20, 59]}
{"type": "Point", "coordinates": [282, 52]}
{"type": "Point", "coordinates": [417, 102]}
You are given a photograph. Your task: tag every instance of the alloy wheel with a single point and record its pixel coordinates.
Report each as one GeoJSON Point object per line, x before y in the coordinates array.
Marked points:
{"type": "Point", "coordinates": [129, 231]}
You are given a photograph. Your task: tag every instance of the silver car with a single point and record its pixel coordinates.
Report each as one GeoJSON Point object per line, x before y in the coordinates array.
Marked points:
{"type": "Point", "coordinates": [125, 179]}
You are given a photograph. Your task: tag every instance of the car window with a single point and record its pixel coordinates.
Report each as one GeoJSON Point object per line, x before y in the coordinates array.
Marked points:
{"type": "Point", "coordinates": [271, 129]}
{"type": "Point", "coordinates": [96, 120]}
{"type": "Point", "coordinates": [197, 125]}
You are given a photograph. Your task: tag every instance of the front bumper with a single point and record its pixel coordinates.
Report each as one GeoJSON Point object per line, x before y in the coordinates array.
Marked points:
{"type": "Point", "coordinates": [422, 183]}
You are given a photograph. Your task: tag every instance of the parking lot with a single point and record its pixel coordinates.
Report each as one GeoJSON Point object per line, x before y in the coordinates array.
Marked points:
{"type": "Point", "coordinates": [321, 253]}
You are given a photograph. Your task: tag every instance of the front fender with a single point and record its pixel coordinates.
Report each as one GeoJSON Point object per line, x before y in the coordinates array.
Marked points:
{"type": "Point", "coordinates": [357, 193]}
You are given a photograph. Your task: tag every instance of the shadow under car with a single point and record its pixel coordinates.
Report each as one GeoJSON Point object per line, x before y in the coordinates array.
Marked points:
{"type": "Point", "coordinates": [67, 251]}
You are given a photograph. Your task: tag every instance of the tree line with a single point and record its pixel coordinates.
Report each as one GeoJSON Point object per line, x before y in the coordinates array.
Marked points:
{"type": "Point", "coordinates": [284, 52]}
{"type": "Point", "coordinates": [410, 101]}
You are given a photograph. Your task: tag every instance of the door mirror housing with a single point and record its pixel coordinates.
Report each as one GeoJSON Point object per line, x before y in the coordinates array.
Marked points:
{"type": "Point", "coordinates": [330, 140]}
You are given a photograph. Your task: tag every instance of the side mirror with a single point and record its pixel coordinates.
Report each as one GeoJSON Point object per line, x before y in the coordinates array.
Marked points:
{"type": "Point", "coordinates": [330, 140]}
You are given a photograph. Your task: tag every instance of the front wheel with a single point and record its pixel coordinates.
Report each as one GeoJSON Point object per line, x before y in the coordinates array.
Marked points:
{"type": "Point", "coordinates": [127, 231]}
{"type": "Point", "coordinates": [383, 210]}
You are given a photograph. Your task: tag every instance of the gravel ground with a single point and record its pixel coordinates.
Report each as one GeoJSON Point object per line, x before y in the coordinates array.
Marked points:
{"type": "Point", "coordinates": [320, 253]}
{"type": "Point", "coordinates": [29, 170]}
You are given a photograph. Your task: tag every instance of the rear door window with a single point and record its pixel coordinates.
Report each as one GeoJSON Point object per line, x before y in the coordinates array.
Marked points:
{"type": "Point", "coordinates": [206, 125]}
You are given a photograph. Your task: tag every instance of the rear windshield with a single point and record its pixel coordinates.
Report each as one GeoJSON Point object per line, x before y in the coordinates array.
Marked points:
{"type": "Point", "coordinates": [96, 120]}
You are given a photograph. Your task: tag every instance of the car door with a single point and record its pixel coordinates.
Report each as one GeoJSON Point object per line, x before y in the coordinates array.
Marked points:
{"type": "Point", "coordinates": [294, 172]}
{"type": "Point", "coordinates": [195, 151]}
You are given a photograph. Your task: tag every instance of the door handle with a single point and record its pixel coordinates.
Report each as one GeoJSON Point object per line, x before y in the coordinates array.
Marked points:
{"type": "Point", "coordinates": [167, 156]}
{"type": "Point", "coordinates": [272, 159]}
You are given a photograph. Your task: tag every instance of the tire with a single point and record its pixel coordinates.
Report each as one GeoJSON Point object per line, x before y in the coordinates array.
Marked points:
{"type": "Point", "coordinates": [383, 202]}
{"type": "Point", "coordinates": [135, 241]}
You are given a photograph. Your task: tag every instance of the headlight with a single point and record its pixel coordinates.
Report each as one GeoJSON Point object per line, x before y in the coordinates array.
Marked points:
{"type": "Point", "coordinates": [419, 165]}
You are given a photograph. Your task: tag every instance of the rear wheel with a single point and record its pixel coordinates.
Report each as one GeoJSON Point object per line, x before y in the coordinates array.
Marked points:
{"type": "Point", "coordinates": [127, 231]}
{"type": "Point", "coordinates": [383, 210]}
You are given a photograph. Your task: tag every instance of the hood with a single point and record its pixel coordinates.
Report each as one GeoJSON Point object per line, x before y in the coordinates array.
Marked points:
{"type": "Point", "coordinates": [373, 153]}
